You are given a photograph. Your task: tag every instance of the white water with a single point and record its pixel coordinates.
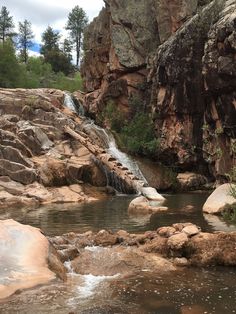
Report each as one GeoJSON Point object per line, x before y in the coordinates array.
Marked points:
{"type": "Point", "coordinates": [108, 140]}
{"type": "Point", "coordinates": [104, 138]}
{"type": "Point", "coordinates": [69, 103]}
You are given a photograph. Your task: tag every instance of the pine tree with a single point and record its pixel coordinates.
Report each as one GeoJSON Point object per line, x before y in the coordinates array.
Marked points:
{"type": "Point", "coordinates": [9, 68]}
{"type": "Point", "coordinates": [6, 25]}
{"type": "Point", "coordinates": [77, 21]}
{"type": "Point", "coordinates": [25, 39]}
{"type": "Point", "coordinates": [67, 48]}
{"type": "Point", "coordinates": [59, 60]}
{"type": "Point", "coordinates": [50, 39]}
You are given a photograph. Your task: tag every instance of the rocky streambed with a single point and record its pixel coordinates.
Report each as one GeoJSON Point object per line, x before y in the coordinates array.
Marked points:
{"type": "Point", "coordinates": [120, 272]}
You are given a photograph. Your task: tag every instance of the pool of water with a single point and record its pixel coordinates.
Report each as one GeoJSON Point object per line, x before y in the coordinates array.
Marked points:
{"type": "Point", "coordinates": [188, 291]}
{"type": "Point", "coordinates": [112, 214]}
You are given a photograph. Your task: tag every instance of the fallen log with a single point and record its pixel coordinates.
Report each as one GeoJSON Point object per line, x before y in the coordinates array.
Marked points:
{"type": "Point", "coordinates": [127, 178]}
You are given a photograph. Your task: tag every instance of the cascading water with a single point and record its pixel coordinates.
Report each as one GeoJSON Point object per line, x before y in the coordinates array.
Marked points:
{"type": "Point", "coordinates": [108, 142]}
{"type": "Point", "coordinates": [69, 103]}
{"type": "Point", "coordinates": [105, 139]}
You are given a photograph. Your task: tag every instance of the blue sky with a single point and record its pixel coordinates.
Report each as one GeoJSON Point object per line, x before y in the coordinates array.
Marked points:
{"type": "Point", "coordinates": [42, 13]}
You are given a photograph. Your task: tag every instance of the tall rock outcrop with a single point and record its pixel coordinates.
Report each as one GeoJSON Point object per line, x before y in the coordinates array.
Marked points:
{"type": "Point", "coordinates": [179, 58]}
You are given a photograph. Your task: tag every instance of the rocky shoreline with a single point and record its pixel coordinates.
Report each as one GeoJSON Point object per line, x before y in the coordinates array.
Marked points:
{"type": "Point", "coordinates": [106, 253]}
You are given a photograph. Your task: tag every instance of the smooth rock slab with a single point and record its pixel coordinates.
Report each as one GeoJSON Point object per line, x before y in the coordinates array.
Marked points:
{"type": "Point", "coordinates": [219, 199]}
{"type": "Point", "coordinates": [23, 257]}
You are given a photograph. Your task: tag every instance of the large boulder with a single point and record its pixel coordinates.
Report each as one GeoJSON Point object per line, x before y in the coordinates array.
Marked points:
{"type": "Point", "coordinates": [218, 201]}
{"type": "Point", "coordinates": [24, 253]}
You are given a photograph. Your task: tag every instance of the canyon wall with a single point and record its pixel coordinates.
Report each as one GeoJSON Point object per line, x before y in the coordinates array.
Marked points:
{"type": "Point", "coordinates": [178, 58]}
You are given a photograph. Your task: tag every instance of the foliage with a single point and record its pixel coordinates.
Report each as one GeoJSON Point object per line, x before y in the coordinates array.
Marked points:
{"type": "Point", "coordinates": [70, 84]}
{"type": "Point", "coordinates": [6, 25]}
{"type": "Point", "coordinates": [59, 60]}
{"type": "Point", "coordinates": [77, 21]}
{"type": "Point", "coordinates": [25, 37]}
{"type": "Point", "coordinates": [50, 40]}
{"type": "Point", "coordinates": [230, 212]}
{"type": "Point", "coordinates": [9, 68]}
{"type": "Point", "coordinates": [113, 117]}
{"type": "Point", "coordinates": [139, 135]}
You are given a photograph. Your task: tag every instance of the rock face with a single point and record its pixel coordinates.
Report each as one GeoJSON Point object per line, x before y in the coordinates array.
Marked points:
{"type": "Point", "coordinates": [178, 58]}
{"type": "Point", "coordinates": [24, 255]}
{"type": "Point", "coordinates": [217, 202]}
{"type": "Point", "coordinates": [38, 163]}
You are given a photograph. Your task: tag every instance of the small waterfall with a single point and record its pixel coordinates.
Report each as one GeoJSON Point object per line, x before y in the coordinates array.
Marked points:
{"type": "Point", "coordinates": [107, 140]}
{"type": "Point", "coordinates": [70, 104]}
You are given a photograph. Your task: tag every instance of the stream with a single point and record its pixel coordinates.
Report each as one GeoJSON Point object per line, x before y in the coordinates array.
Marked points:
{"type": "Point", "coordinates": [190, 290]}
{"type": "Point", "coordinates": [186, 291]}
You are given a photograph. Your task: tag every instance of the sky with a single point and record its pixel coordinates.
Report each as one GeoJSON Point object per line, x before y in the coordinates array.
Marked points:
{"type": "Point", "coordinates": [42, 13]}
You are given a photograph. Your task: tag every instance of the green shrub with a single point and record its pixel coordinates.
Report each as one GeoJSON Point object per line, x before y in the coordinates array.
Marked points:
{"type": "Point", "coordinates": [139, 136]}
{"type": "Point", "coordinates": [10, 72]}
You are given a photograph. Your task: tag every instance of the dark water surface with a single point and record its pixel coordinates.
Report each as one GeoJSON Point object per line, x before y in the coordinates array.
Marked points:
{"type": "Point", "coordinates": [188, 291]}
{"type": "Point", "coordinates": [112, 214]}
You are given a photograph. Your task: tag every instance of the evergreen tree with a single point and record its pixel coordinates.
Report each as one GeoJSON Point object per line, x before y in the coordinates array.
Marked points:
{"type": "Point", "coordinates": [59, 60]}
{"type": "Point", "coordinates": [25, 39]}
{"type": "Point", "coordinates": [9, 68]}
{"type": "Point", "coordinates": [6, 25]}
{"type": "Point", "coordinates": [50, 39]}
{"type": "Point", "coordinates": [77, 21]}
{"type": "Point", "coordinates": [67, 48]}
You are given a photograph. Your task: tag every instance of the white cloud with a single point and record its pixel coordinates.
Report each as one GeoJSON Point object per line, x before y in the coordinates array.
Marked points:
{"type": "Point", "coordinates": [42, 13]}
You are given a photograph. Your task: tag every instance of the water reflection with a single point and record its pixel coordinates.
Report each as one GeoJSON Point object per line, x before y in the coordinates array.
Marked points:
{"type": "Point", "coordinates": [112, 214]}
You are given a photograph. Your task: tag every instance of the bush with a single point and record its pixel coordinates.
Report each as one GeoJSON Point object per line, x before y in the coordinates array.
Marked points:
{"type": "Point", "coordinates": [139, 136]}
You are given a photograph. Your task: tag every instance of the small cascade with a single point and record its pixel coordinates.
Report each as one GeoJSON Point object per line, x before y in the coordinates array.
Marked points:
{"type": "Point", "coordinates": [106, 139]}
{"type": "Point", "coordinates": [70, 104]}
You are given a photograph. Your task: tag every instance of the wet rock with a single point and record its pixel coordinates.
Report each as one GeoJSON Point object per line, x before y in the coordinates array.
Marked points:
{"type": "Point", "coordinates": [191, 230]}
{"type": "Point", "coordinates": [105, 238]}
{"type": "Point", "coordinates": [118, 260]}
{"type": "Point", "coordinates": [180, 261]}
{"type": "Point", "coordinates": [68, 253]}
{"type": "Point", "coordinates": [180, 226]}
{"type": "Point", "coordinates": [166, 231]}
{"type": "Point", "coordinates": [177, 241]}
{"type": "Point", "coordinates": [219, 199]}
{"type": "Point", "coordinates": [24, 254]}
{"type": "Point", "coordinates": [151, 194]}
{"type": "Point", "coordinates": [213, 249]}
{"type": "Point", "coordinates": [142, 206]}
{"type": "Point", "coordinates": [14, 201]}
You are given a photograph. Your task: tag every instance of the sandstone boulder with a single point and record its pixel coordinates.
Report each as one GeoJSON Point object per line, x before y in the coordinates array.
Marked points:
{"type": "Point", "coordinates": [219, 199]}
{"type": "Point", "coordinates": [142, 206]}
{"type": "Point", "coordinates": [23, 259]}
